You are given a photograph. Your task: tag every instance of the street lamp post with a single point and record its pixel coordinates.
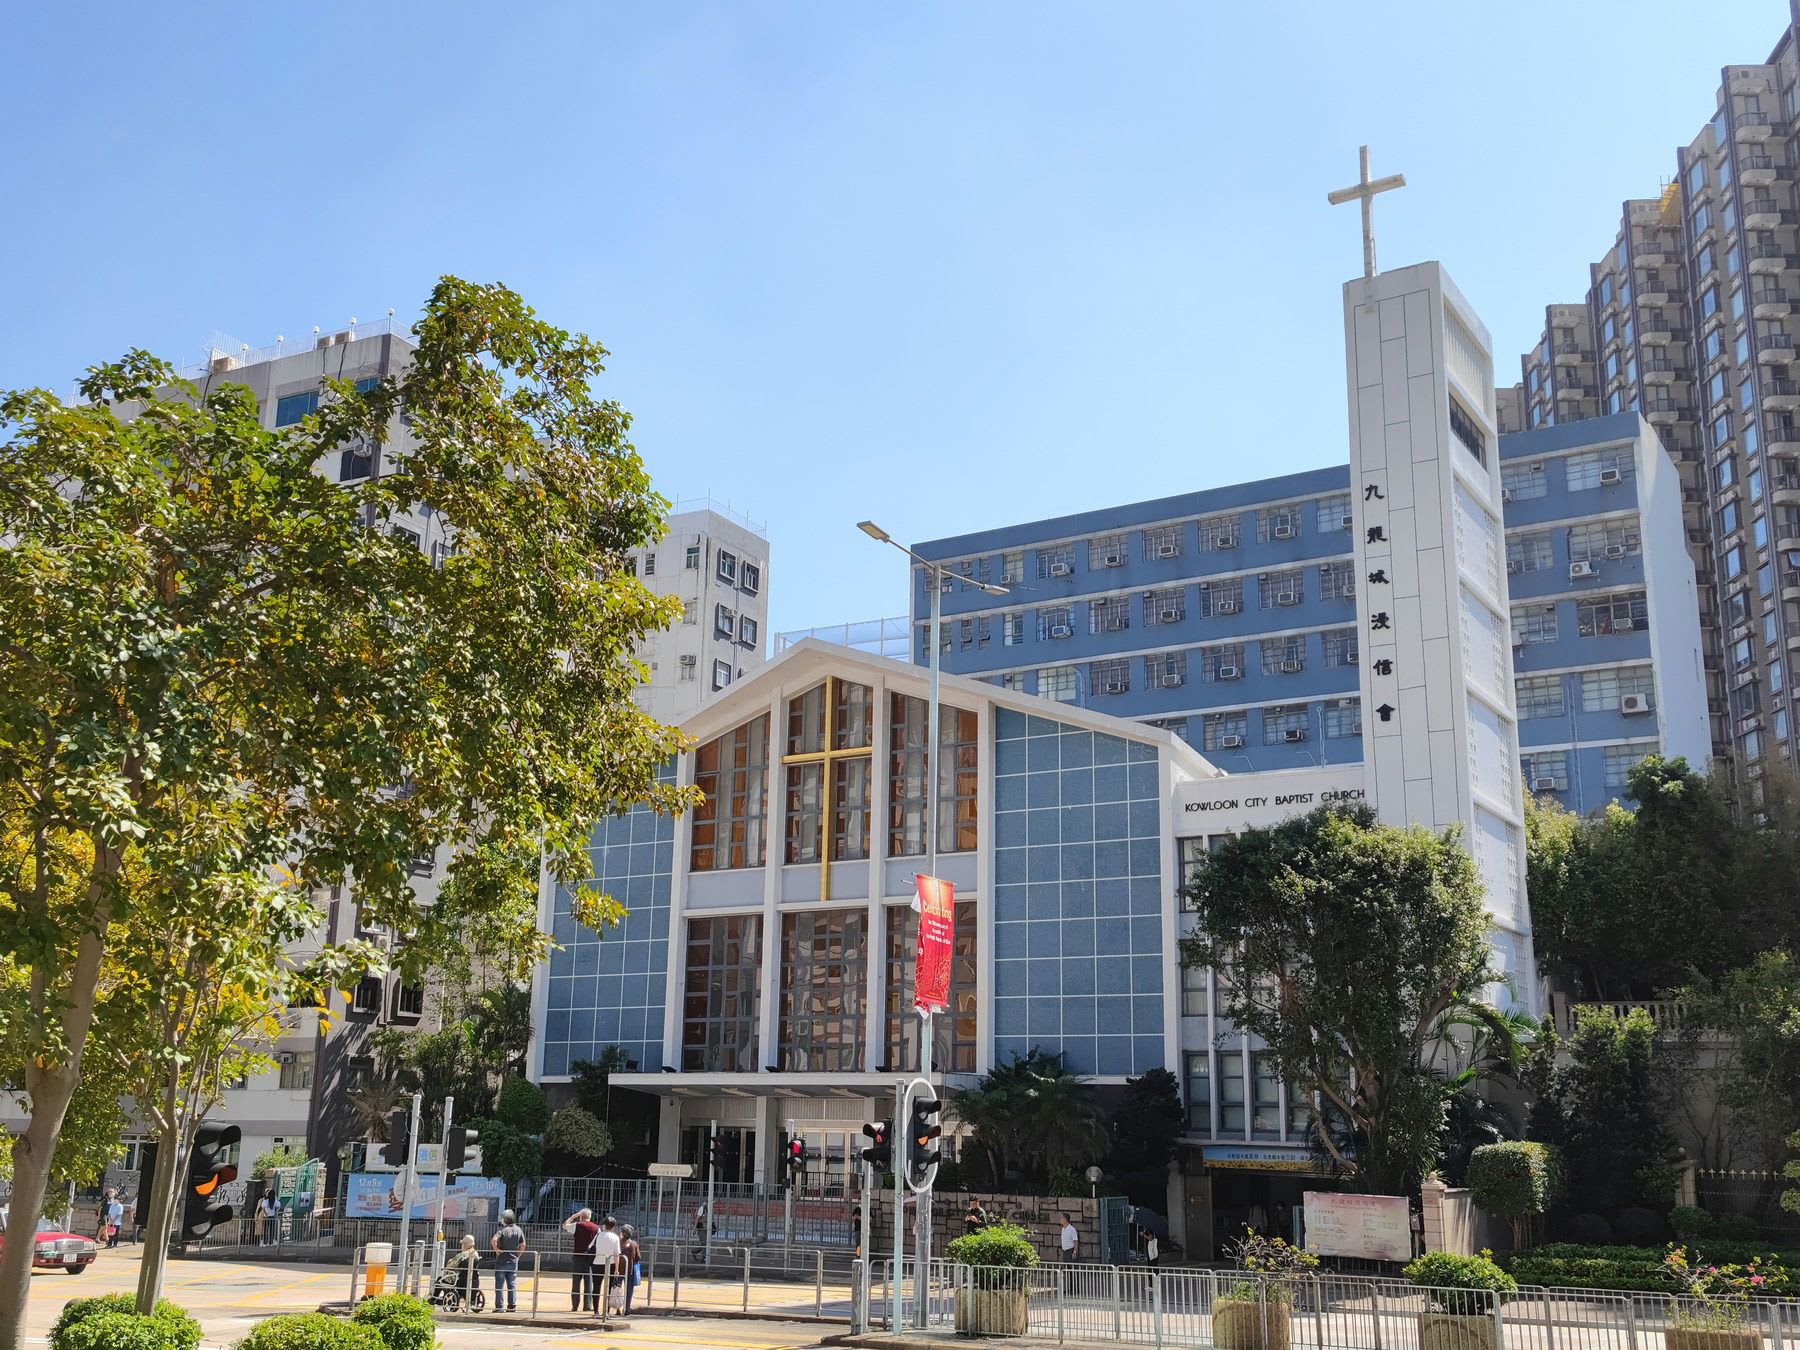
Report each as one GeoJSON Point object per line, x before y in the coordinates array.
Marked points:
{"type": "Point", "coordinates": [935, 576]}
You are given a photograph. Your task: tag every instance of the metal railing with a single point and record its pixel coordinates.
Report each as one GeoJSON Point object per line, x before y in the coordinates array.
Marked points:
{"type": "Point", "coordinates": [1233, 1311]}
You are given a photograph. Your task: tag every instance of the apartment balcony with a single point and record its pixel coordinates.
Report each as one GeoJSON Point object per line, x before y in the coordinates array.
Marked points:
{"type": "Point", "coordinates": [1752, 127]}
{"type": "Point", "coordinates": [1768, 259]}
{"type": "Point", "coordinates": [1660, 287]}
{"type": "Point", "coordinates": [1569, 354]}
{"type": "Point", "coordinates": [1774, 348]}
{"type": "Point", "coordinates": [1568, 392]}
{"type": "Point", "coordinates": [1757, 170]}
{"type": "Point", "coordinates": [1659, 371]}
{"type": "Point", "coordinates": [1651, 251]}
{"type": "Point", "coordinates": [1781, 434]}
{"type": "Point", "coordinates": [1784, 489]}
{"type": "Point", "coordinates": [1779, 392]}
{"type": "Point", "coordinates": [1761, 213]}
{"type": "Point", "coordinates": [1790, 583]}
{"type": "Point", "coordinates": [1771, 302]}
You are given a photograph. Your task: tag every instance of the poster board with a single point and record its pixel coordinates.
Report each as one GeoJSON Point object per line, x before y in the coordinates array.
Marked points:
{"type": "Point", "coordinates": [376, 1195]}
{"type": "Point", "coordinates": [1373, 1227]}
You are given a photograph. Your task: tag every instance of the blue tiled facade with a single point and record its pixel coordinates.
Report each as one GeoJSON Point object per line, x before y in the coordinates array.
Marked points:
{"type": "Point", "coordinates": [1078, 896]}
{"type": "Point", "coordinates": [1272, 684]}
{"type": "Point", "coordinates": [610, 989]}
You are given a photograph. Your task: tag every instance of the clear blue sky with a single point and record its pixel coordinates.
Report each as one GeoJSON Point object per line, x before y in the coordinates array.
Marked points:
{"type": "Point", "coordinates": [942, 264]}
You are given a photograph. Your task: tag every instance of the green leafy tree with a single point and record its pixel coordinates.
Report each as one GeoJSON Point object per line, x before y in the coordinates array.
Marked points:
{"type": "Point", "coordinates": [1630, 903]}
{"type": "Point", "coordinates": [1790, 1198]}
{"type": "Point", "coordinates": [1031, 1117]}
{"type": "Point", "coordinates": [1602, 1109]}
{"type": "Point", "coordinates": [523, 1106]}
{"type": "Point", "coordinates": [577, 1135]}
{"type": "Point", "coordinates": [1146, 1128]}
{"type": "Point", "coordinates": [1754, 1013]}
{"type": "Point", "coordinates": [1348, 943]}
{"type": "Point", "coordinates": [436, 1065]}
{"type": "Point", "coordinates": [216, 660]}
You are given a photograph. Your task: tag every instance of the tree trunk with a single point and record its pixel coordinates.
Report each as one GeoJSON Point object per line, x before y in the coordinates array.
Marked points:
{"type": "Point", "coordinates": [160, 1221]}
{"type": "Point", "coordinates": [31, 1154]}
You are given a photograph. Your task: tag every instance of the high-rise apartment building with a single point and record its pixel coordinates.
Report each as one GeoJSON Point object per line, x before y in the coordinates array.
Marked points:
{"type": "Point", "coordinates": [1690, 319]}
{"type": "Point", "coordinates": [717, 561]}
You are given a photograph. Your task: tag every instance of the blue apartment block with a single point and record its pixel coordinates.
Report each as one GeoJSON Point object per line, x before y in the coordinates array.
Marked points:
{"type": "Point", "coordinates": [1229, 616]}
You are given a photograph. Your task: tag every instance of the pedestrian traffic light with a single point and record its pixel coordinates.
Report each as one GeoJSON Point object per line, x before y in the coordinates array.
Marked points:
{"type": "Point", "coordinates": [207, 1172]}
{"type": "Point", "coordinates": [457, 1140]}
{"type": "Point", "coordinates": [717, 1152]}
{"type": "Point", "coordinates": [794, 1159]}
{"type": "Point", "coordinates": [922, 1134]}
{"type": "Point", "coordinates": [397, 1152]}
{"type": "Point", "coordinates": [880, 1152]}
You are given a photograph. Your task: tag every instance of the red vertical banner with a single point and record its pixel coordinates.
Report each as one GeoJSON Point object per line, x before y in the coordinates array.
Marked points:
{"type": "Point", "coordinates": [931, 974]}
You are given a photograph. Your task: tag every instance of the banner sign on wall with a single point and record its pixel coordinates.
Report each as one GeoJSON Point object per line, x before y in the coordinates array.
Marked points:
{"type": "Point", "coordinates": [937, 919]}
{"type": "Point", "coordinates": [376, 1195]}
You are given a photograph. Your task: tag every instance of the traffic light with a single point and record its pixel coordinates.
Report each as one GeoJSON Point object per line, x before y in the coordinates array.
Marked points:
{"type": "Point", "coordinates": [205, 1174]}
{"type": "Point", "coordinates": [397, 1152]}
{"type": "Point", "coordinates": [922, 1134]}
{"type": "Point", "coordinates": [456, 1147]}
{"type": "Point", "coordinates": [717, 1152]}
{"type": "Point", "coordinates": [880, 1152]}
{"type": "Point", "coordinates": [794, 1158]}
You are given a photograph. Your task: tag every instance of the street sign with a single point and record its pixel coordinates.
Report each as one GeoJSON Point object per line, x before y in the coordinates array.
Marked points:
{"type": "Point", "coordinates": [428, 1157]}
{"type": "Point", "coordinates": [676, 1171]}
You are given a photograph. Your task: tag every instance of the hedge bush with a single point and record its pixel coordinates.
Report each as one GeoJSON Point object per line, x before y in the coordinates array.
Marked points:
{"type": "Point", "coordinates": [311, 1331]}
{"type": "Point", "coordinates": [1517, 1180]}
{"type": "Point", "coordinates": [999, 1244]}
{"type": "Point", "coordinates": [1571, 1265]}
{"type": "Point", "coordinates": [174, 1329]}
{"type": "Point", "coordinates": [1690, 1222]}
{"type": "Point", "coordinates": [402, 1321]}
{"type": "Point", "coordinates": [1449, 1270]}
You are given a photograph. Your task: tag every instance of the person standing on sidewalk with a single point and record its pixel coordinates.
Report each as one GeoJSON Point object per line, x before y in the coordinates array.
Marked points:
{"type": "Point", "coordinates": [606, 1262]}
{"type": "Point", "coordinates": [582, 1227]}
{"type": "Point", "coordinates": [115, 1217]}
{"type": "Point", "coordinates": [1069, 1240]}
{"type": "Point", "coordinates": [630, 1256]}
{"type": "Point", "coordinates": [507, 1243]}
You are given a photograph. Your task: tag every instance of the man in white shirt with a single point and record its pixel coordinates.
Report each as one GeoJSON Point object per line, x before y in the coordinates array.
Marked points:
{"type": "Point", "coordinates": [1070, 1240]}
{"type": "Point", "coordinates": [606, 1262]}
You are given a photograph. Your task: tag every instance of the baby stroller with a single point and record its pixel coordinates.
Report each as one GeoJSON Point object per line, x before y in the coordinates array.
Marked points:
{"type": "Point", "coordinates": [458, 1286]}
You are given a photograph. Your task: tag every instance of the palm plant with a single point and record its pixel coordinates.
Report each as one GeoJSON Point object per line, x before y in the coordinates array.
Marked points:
{"type": "Point", "coordinates": [372, 1101]}
{"type": "Point", "coordinates": [1032, 1116]}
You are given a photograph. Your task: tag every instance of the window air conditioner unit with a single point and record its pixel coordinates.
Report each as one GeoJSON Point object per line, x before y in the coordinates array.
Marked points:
{"type": "Point", "coordinates": [1061, 630]}
{"type": "Point", "coordinates": [1115, 625]}
{"type": "Point", "coordinates": [1292, 667]}
{"type": "Point", "coordinates": [1167, 550]}
{"type": "Point", "coordinates": [1293, 734]}
{"type": "Point", "coordinates": [1171, 681]}
{"type": "Point", "coordinates": [1113, 687]}
{"type": "Point", "coordinates": [1347, 522]}
{"type": "Point", "coordinates": [1287, 597]}
{"type": "Point", "coordinates": [1060, 569]}
{"type": "Point", "coordinates": [1114, 560]}
{"type": "Point", "coordinates": [1611, 476]}
{"type": "Point", "coordinates": [1226, 673]}
{"type": "Point", "coordinates": [1543, 784]}
{"type": "Point", "coordinates": [1226, 607]}
{"type": "Point", "coordinates": [1282, 530]}
{"type": "Point", "coordinates": [1615, 550]}
{"type": "Point", "coordinates": [945, 585]}
{"type": "Point", "coordinates": [1228, 541]}
{"type": "Point", "coordinates": [1168, 616]}
{"type": "Point", "coordinates": [1581, 567]}
{"type": "Point", "coordinates": [1506, 494]}
{"type": "Point", "coordinates": [1231, 742]}
{"type": "Point", "coordinates": [1625, 624]}
{"type": "Point", "coordinates": [1633, 705]}
{"type": "Point", "coordinates": [1514, 567]}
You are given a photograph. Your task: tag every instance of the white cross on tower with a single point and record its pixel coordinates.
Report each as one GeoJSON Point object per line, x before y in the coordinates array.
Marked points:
{"type": "Point", "coordinates": [1365, 192]}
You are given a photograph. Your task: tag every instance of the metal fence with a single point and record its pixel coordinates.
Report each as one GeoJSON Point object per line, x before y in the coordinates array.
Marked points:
{"type": "Point", "coordinates": [1226, 1309]}
{"type": "Point", "coordinates": [1754, 1195]}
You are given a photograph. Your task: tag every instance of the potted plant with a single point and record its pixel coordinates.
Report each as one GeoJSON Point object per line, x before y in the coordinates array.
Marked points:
{"type": "Point", "coordinates": [1459, 1309]}
{"type": "Point", "coordinates": [1711, 1310]}
{"type": "Point", "coordinates": [991, 1293]}
{"type": "Point", "coordinates": [1253, 1311]}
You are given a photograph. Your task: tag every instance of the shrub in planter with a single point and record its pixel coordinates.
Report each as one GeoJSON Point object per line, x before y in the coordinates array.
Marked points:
{"type": "Point", "coordinates": [177, 1330]}
{"type": "Point", "coordinates": [992, 1300]}
{"type": "Point", "coordinates": [402, 1321]}
{"type": "Point", "coordinates": [311, 1331]}
{"type": "Point", "coordinates": [1459, 1311]}
{"type": "Point", "coordinates": [1713, 1309]}
{"type": "Point", "coordinates": [1253, 1314]}
{"type": "Point", "coordinates": [1518, 1180]}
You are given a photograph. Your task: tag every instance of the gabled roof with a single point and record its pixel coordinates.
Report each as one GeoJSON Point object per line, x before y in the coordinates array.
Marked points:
{"type": "Point", "coordinates": [809, 660]}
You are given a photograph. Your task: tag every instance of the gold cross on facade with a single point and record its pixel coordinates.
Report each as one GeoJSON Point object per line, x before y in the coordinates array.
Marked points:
{"type": "Point", "coordinates": [1364, 191]}
{"type": "Point", "coordinates": [827, 757]}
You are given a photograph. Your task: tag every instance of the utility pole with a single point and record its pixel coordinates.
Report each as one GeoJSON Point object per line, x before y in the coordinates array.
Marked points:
{"type": "Point", "coordinates": [900, 1164]}
{"type": "Point", "coordinates": [712, 1181]}
{"type": "Point", "coordinates": [437, 1246]}
{"type": "Point", "coordinates": [406, 1172]}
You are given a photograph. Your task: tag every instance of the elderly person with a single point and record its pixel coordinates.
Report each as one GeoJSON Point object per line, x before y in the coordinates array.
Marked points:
{"type": "Point", "coordinates": [581, 1226]}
